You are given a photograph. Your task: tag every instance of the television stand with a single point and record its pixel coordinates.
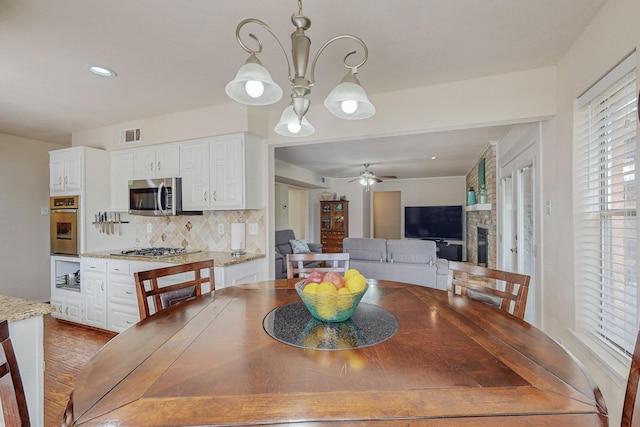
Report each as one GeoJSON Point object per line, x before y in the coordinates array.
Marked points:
{"type": "Point", "coordinates": [438, 241]}
{"type": "Point", "coordinates": [451, 252]}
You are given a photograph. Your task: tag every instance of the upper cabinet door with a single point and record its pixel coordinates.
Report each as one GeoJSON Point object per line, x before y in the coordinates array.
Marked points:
{"type": "Point", "coordinates": [168, 161]}
{"type": "Point", "coordinates": [156, 162]}
{"type": "Point", "coordinates": [195, 173]}
{"type": "Point", "coordinates": [144, 163]}
{"type": "Point", "coordinates": [227, 163]}
{"type": "Point", "coordinates": [73, 173]}
{"type": "Point", "coordinates": [65, 171]}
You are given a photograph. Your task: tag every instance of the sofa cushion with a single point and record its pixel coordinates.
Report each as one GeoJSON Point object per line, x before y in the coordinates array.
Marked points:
{"type": "Point", "coordinates": [282, 238]}
{"type": "Point", "coordinates": [412, 251]}
{"type": "Point", "coordinates": [365, 248]}
{"type": "Point", "coordinates": [299, 246]}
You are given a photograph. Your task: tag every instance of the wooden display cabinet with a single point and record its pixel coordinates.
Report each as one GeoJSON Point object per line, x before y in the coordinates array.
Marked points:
{"type": "Point", "coordinates": [334, 225]}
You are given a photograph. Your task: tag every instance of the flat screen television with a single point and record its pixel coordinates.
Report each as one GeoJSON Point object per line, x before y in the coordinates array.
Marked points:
{"type": "Point", "coordinates": [433, 222]}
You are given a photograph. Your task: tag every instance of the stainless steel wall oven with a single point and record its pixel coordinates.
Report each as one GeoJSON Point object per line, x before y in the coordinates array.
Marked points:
{"type": "Point", "coordinates": [64, 225]}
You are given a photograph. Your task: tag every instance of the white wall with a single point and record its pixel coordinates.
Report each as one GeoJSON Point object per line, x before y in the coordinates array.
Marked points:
{"type": "Point", "coordinates": [415, 192]}
{"type": "Point", "coordinates": [610, 37]}
{"type": "Point", "coordinates": [24, 184]}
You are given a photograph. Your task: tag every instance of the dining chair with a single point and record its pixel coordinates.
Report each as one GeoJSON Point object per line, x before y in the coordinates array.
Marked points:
{"type": "Point", "coordinates": [481, 283]}
{"type": "Point", "coordinates": [298, 264]}
{"type": "Point", "coordinates": [631, 397]}
{"type": "Point", "coordinates": [14, 401]}
{"type": "Point", "coordinates": [161, 297]}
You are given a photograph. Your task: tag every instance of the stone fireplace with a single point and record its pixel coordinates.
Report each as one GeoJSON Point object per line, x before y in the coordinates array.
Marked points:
{"type": "Point", "coordinates": [481, 232]}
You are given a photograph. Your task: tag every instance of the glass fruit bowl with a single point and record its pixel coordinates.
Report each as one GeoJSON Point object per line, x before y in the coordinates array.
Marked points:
{"type": "Point", "coordinates": [330, 308]}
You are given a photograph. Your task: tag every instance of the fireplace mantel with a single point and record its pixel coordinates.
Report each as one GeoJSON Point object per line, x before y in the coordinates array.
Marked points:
{"type": "Point", "coordinates": [479, 207]}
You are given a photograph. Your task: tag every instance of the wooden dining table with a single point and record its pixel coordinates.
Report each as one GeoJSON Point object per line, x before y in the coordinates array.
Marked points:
{"type": "Point", "coordinates": [450, 361]}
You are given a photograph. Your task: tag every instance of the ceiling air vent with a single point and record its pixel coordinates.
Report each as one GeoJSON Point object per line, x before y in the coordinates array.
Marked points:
{"type": "Point", "coordinates": [130, 136]}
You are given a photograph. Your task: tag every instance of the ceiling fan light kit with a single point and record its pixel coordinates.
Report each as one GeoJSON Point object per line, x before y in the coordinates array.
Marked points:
{"type": "Point", "coordinates": [367, 178]}
{"type": "Point", "coordinates": [254, 86]}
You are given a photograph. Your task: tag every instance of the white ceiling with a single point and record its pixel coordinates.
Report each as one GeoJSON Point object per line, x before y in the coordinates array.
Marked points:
{"type": "Point", "coordinates": [175, 55]}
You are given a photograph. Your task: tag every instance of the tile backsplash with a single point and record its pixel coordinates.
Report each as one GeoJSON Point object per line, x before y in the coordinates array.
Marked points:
{"type": "Point", "coordinates": [200, 231]}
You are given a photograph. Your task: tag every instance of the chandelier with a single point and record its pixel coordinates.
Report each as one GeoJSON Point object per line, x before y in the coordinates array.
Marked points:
{"type": "Point", "coordinates": [253, 84]}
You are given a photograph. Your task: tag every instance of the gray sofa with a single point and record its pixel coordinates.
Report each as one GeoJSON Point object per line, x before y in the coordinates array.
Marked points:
{"type": "Point", "coordinates": [283, 247]}
{"type": "Point", "coordinates": [409, 261]}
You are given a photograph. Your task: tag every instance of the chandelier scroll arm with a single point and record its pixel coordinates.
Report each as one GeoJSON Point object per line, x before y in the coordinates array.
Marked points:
{"type": "Point", "coordinates": [250, 51]}
{"type": "Point", "coordinates": [336, 38]}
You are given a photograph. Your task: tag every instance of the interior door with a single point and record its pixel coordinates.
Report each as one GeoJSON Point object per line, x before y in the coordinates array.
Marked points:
{"type": "Point", "coordinates": [519, 223]}
{"type": "Point", "coordinates": [387, 216]}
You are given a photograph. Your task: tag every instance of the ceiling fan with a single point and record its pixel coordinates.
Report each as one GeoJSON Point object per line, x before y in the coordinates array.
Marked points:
{"type": "Point", "coordinates": [367, 178]}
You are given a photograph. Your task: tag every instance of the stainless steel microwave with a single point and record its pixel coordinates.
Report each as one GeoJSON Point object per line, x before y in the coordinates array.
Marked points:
{"type": "Point", "coordinates": [155, 197]}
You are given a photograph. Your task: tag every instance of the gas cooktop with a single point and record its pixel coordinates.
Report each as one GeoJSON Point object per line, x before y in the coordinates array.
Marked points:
{"type": "Point", "coordinates": [154, 252]}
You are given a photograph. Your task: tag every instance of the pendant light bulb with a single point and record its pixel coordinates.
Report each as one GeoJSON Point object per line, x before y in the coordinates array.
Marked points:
{"type": "Point", "coordinates": [349, 106]}
{"type": "Point", "coordinates": [294, 127]}
{"type": "Point", "coordinates": [254, 88]}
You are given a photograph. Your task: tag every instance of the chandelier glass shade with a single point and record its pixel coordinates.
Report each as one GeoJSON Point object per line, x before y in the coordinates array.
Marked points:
{"type": "Point", "coordinates": [254, 86]}
{"type": "Point", "coordinates": [290, 125]}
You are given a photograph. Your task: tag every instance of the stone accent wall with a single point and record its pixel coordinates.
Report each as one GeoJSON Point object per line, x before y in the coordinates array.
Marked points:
{"type": "Point", "coordinates": [484, 219]}
{"type": "Point", "coordinates": [200, 231]}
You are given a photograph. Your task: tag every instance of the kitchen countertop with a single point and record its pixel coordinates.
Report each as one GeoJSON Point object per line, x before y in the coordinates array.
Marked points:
{"type": "Point", "coordinates": [220, 259]}
{"type": "Point", "coordinates": [14, 309]}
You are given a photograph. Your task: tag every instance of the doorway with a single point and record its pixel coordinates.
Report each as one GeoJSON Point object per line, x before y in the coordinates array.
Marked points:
{"type": "Point", "coordinates": [519, 220]}
{"type": "Point", "coordinates": [387, 216]}
{"type": "Point", "coordinates": [298, 201]}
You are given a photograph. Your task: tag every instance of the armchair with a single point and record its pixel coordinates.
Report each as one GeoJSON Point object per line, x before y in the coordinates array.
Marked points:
{"type": "Point", "coordinates": [283, 247]}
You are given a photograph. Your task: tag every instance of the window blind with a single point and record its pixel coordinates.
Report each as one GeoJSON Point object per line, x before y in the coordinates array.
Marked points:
{"type": "Point", "coordinates": [605, 221]}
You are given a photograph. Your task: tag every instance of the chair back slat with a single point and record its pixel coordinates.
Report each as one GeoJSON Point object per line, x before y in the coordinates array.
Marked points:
{"type": "Point", "coordinates": [481, 280]}
{"type": "Point", "coordinates": [148, 288]}
{"type": "Point", "coordinates": [298, 264]}
{"type": "Point", "coordinates": [14, 401]}
{"type": "Point", "coordinates": [631, 397]}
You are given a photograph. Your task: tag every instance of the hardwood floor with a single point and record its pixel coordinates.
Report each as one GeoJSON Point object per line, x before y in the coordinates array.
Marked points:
{"type": "Point", "coordinates": [67, 347]}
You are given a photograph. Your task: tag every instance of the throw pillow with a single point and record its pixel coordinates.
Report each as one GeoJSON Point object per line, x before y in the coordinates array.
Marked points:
{"type": "Point", "coordinates": [299, 246]}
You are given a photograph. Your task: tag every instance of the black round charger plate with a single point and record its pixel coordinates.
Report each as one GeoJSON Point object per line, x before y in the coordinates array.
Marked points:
{"type": "Point", "coordinates": [293, 324]}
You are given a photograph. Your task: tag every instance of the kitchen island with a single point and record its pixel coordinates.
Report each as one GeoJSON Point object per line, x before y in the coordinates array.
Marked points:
{"type": "Point", "coordinates": [107, 295]}
{"type": "Point", "coordinates": [229, 269]}
{"type": "Point", "coordinates": [26, 329]}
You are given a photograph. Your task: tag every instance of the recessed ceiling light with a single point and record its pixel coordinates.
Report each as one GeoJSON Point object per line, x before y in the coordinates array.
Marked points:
{"type": "Point", "coordinates": [433, 157]}
{"type": "Point", "coordinates": [102, 71]}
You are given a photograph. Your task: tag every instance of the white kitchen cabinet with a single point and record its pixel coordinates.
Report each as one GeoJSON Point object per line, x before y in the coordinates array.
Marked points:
{"type": "Point", "coordinates": [94, 283]}
{"type": "Point", "coordinates": [236, 180]}
{"type": "Point", "coordinates": [194, 170]}
{"type": "Point", "coordinates": [67, 299]}
{"type": "Point", "coordinates": [239, 274]}
{"type": "Point", "coordinates": [122, 298]}
{"type": "Point", "coordinates": [123, 301]}
{"type": "Point", "coordinates": [161, 161]}
{"type": "Point", "coordinates": [121, 173]}
{"type": "Point", "coordinates": [68, 307]}
{"type": "Point", "coordinates": [65, 171]}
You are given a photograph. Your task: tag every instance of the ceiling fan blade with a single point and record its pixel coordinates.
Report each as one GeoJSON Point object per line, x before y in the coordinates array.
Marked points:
{"type": "Point", "coordinates": [386, 176]}
{"type": "Point", "coordinates": [377, 179]}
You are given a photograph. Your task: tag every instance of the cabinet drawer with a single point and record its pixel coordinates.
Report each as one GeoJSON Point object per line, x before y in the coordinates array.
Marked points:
{"type": "Point", "coordinates": [121, 317]}
{"type": "Point", "coordinates": [97, 265]}
{"type": "Point", "coordinates": [123, 293]}
{"type": "Point", "coordinates": [119, 267]}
